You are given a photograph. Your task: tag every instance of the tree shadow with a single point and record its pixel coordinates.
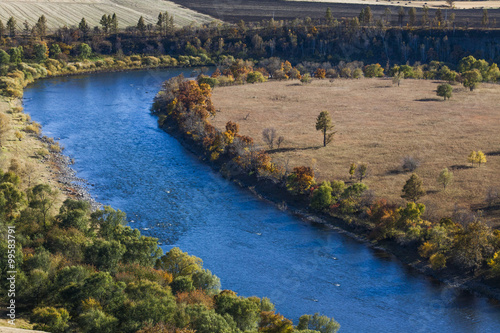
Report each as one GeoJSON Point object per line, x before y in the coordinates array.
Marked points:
{"type": "Point", "coordinates": [493, 153]}
{"type": "Point", "coordinates": [460, 167]}
{"type": "Point", "coordinates": [284, 150]}
{"type": "Point", "coordinates": [431, 192]}
{"type": "Point", "coordinates": [294, 84]}
{"type": "Point", "coordinates": [428, 100]}
{"type": "Point", "coordinates": [396, 172]}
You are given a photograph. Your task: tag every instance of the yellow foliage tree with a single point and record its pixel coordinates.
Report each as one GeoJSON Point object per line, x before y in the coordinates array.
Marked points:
{"type": "Point", "coordinates": [480, 158]}
{"type": "Point", "coordinates": [472, 157]}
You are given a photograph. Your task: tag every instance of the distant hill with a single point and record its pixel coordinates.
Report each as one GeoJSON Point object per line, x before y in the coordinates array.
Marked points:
{"type": "Point", "coordinates": [70, 12]}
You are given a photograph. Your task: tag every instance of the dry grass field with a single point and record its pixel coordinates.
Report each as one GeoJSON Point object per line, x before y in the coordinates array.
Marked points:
{"type": "Point", "coordinates": [70, 12]}
{"type": "Point", "coordinates": [378, 124]}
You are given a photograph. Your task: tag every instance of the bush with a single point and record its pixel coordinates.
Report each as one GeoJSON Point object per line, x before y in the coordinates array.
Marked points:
{"type": "Point", "coordinates": [254, 77]}
{"type": "Point", "coordinates": [306, 78]}
{"type": "Point", "coordinates": [55, 148]}
{"type": "Point", "coordinates": [322, 197]}
{"type": "Point", "coordinates": [444, 90]}
{"type": "Point", "coordinates": [43, 152]}
{"type": "Point", "coordinates": [409, 163]}
{"type": "Point", "coordinates": [33, 128]}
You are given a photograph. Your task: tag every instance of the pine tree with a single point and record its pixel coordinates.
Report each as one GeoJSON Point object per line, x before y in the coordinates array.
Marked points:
{"type": "Point", "coordinates": [141, 25]}
{"type": "Point", "coordinates": [114, 24]}
{"type": "Point", "coordinates": [84, 27]}
{"type": "Point", "coordinates": [412, 16]}
{"type": "Point", "coordinates": [413, 189]}
{"type": "Point", "coordinates": [41, 26]}
{"type": "Point", "coordinates": [105, 23]}
{"type": "Point", "coordinates": [324, 124]}
{"type": "Point", "coordinates": [485, 20]}
{"type": "Point", "coordinates": [2, 29]}
{"type": "Point", "coordinates": [11, 26]}
{"type": "Point", "coordinates": [329, 16]}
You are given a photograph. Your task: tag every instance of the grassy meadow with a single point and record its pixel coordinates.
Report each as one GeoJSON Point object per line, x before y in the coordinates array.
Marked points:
{"type": "Point", "coordinates": [378, 123]}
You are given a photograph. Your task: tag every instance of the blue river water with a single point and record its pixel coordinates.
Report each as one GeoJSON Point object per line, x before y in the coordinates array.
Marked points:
{"type": "Point", "coordinates": [104, 123]}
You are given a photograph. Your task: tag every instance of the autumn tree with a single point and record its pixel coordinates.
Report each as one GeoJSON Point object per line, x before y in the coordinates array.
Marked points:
{"type": "Point", "coordinates": [324, 124]}
{"type": "Point", "coordinates": [445, 177]}
{"type": "Point", "coordinates": [473, 245]}
{"type": "Point", "coordinates": [413, 189]}
{"type": "Point", "coordinates": [480, 158]}
{"type": "Point", "coordinates": [271, 322]}
{"type": "Point", "coordinates": [444, 90]}
{"type": "Point", "coordinates": [472, 157]}
{"type": "Point", "coordinates": [300, 179]}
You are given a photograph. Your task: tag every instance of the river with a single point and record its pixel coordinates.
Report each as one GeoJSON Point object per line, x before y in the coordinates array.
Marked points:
{"type": "Point", "coordinates": [104, 123]}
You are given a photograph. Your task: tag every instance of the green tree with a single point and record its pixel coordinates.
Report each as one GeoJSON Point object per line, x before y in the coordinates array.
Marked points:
{"type": "Point", "coordinates": [439, 16]}
{"type": "Point", "coordinates": [96, 320]}
{"type": "Point", "coordinates": [41, 198]}
{"type": "Point", "coordinates": [324, 124]}
{"type": "Point", "coordinates": [114, 24]}
{"type": "Point", "coordinates": [4, 58]}
{"type": "Point", "coordinates": [412, 16]}
{"type": "Point", "coordinates": [182, 284]}
{"type": "Point", "coordinates": [329, 16]}
{"type": "Point", "coordinates": [254, 77]}
{"type": "Point", "coordinates": [179, 263]}
{"type": "Point", "coordinates": [107, 222]}
{"type": "Point", "coordinates": [244, 311]}
{"type": "Point", "coordinates": [445, 177]}
{"type": "Point", "coordinates": [206, 280]}
{"type": "Point", "coordinates": [50, 319]}
{"type": "Point", "coordinates": [2, 29]}
{"type": "Point", "coordinates": [485, 20]}
{"type": "Point", "coordinates": [105, 23]}
{"type": "Point", "coordinates": [361, 171]}
{"type": "Point", "coordinates": [41, 52]}
{"type": "Point", "coordinates": [84, 27]}
{"type": "Point", "coordinates": [104, 255]}
{"type": "Point", "coordinates": [322, 196]}
{"type": "Point", "coordinates": [401, 15]}
{"type": "Point", "coordinates": [444, 90]}
{"type": "Point", "coordinates": [11, 198]}
{"type": "Point", "coordinates": [413, 189]}
{"type": "Point", "coordinates": [84, 51]}
{"type": "Point", "coordinates": [55, 50]}
{"type": "Point", "coordinates": [374, 70]}
{"type": "Point", "coordinates": [352, 170]}
{"type": "Point", "coordinates": [41, 26]}
{"type": "Point", "coordinates": [141, 25]}
{"type": "Point", "coordinates": [11, 26]}
{"type": "Point", "coordinates": [318, 323]}
{"type": "Point", "coordinates": [472, 78]}
{"type": "Point", "coordinates": [425, 15]}
{"type": "Point", "coordinates": [16, 54]}
{"type": "Point", "coordinates": [74, 214]}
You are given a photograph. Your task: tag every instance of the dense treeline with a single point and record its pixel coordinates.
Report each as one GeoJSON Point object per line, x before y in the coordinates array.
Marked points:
{"type": "Point", "coordinates": [362, 38]}
{"type": "Point", "coordinates": [461, 242]}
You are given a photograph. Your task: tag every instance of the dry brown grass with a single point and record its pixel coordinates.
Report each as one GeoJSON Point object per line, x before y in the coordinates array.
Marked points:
{"type": "Point", "coordinates": [70, 12]}
{"type": "Point", "coordinates": [378, 124]}
{"type": "Point", "coordinates": [25, 152]}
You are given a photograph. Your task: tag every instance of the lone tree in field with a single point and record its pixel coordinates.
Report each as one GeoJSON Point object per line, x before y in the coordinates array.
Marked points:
{"type": "Point", "coordinates": [444, 90]}
{"type": "Point", "coordinates": [269, 135]}
{"type": "Point", "coordinates": [324, 124]}
{"type": "Point", "coordinates": [413, 189]}
{"type": "Point", "coordinates": [480, 158]}
{"type": "Point", "coordinates": [472, 78]}
{"type": "Point", "coordinates": [445, 177]}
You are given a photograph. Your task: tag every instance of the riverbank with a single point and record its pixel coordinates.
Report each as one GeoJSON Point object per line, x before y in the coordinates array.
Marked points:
{"type": "Point", "coordinates": [274, 190]}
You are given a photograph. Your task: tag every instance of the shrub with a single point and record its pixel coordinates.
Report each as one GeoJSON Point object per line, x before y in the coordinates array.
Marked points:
{"type": "Point", "coordinates": [55, 148]}
{"type": "Point", "coordinates": [409, 163]}
{"type": "Point", "coordinates": [322, 196]}
{"type": "Point", "coordinates": [444, 90]}
{"type": "Point", "coordinates": [306, 78]}
{"type": "Point", "coordinates": [33, 128]}
{"type": "Point", "coordinates": [43, 152]}
{"type": "Point", "coordinates": [254, 77]}
{"type": "Point", "coordinates": [438, 261]}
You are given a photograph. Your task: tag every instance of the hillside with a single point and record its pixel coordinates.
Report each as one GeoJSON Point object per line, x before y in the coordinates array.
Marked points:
{"type": "Point", "coordinates": [70, 12]}
{"type": "Point", "coordinates": [378, 124]}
